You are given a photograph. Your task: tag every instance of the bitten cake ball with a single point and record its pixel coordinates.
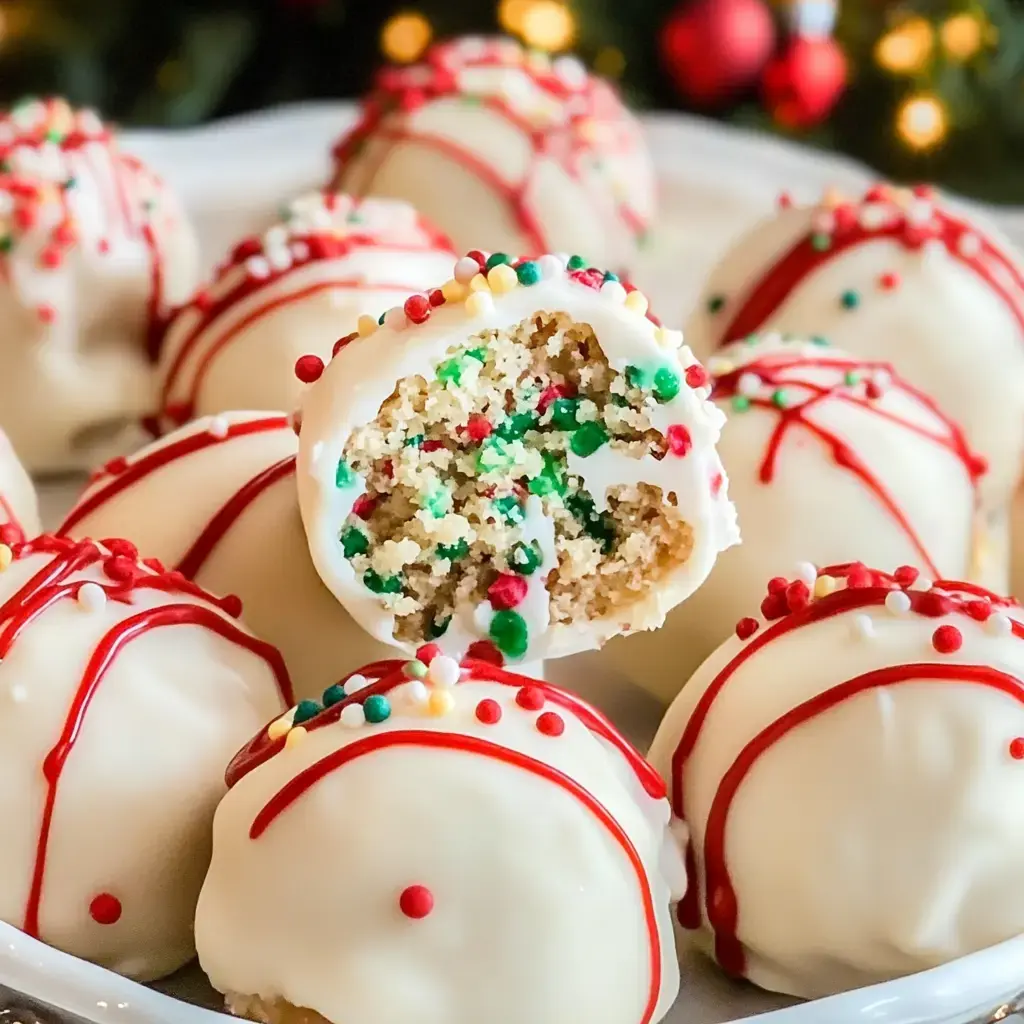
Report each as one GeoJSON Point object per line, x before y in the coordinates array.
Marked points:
{"type": "Point", "coordinates": [125, 690]}
{"type": "Point", "coordinates": [93, 250]}
{"type": "Point", "coordinates": [519, 460]}
{"type": "Point", "coordinates": [216, 500]}
{"type": "Point", "coordinates": [848, 766]}
{"type": "Point", "coordinates": [506, 148]}
{"type": "Point", "coordinates": [442, 845]}
{"type": "Point", "coordinates": [828, 455]}
{"type": "Point", "coordinates": [297, 289]}
{"type": "Point", "coordinates": [19, 506]}
{"type": "Point", "coordinates": [895, 276]}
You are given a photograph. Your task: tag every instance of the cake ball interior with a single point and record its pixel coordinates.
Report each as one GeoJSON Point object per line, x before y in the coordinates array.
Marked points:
{"type": "Point", "coordinates": [466, 474]}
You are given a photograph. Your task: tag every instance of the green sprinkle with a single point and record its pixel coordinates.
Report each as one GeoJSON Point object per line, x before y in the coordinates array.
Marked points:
{"type": "Point", "coordinates": [817, 339]}
{"type": "Point", "coordinates": [334, 695]}
{"type": "Point", "coordinates": [54, 136]}
{"type": "Point", "coordinates": [577, 263]}
{"type": "Point", "coordinates": [71, 182]}
{"type": "Point", "coordinates": [609, 276]}
{"type": "Point", "coordinates": [496, 259]}
{"type": "Point", "coordinates": [479, 354]}
{"type": "Point", "coordinates": [780, 399]}
{"type": "Point", "coordinates": [378, 584]}
{"type": "Point", "coordinates": [821, 243]}
{"type": "Point", "coordinates": [438, 627]}
{"type": "Point", "coordinates": [493, 454]}
{"type": "Point", "coordinates": [510, 633]}
{"type": "Point", "coordinates": [344, 475]}
{"type": "Point", "coordinates": [588, 438]}
{"type": "Point", "coordinates": [563, 413]}
{"type": "Point", "coordinates": [450, 371]}
{"type": "Point", "coordinates": [354, 542]}
{"type": "Point", "coordinates": [377, 708]}
{"type": "Point", "coordinates": [453, 552]}
{"type": "Point", "coordinates": [850, 378]}
{"type": "Point", "coordinates": [6, 243]}
{"type": "Point", "coordinates": [619, 400]}
{"type": "Point", "coordinates": [415, 670]}
{"type": "Point", "coordinates": [549, 480]}
{"type": "Point", "coordinates": [595, 525]}
{"type": "Point", "coordinates": [437, 502]}
{"type": "Point", "coordinates": [304, 711]}
{"type": "Point", "coordinates": [528, 272]}
{"type": "Point", "coordinates": [515, 426]}
{"type": "Point", "coordinates": [716, 303]}
{"type": "Point", "coordinates": [850, 299]}
{"type": "Point", "coordinates": [510, 509]}
{"type": "Point", "coordinates": [740, 403]}
{"type": "Point", "coordinates": [415, 441]}
{"type": "Point", "coordinates": [525, 558]}
{"type": "Point", "coordinates": [380, 319]}
{"type": "Point", "coordinates": [666, 384]}
{"type": "Point", "coordinates": [637, 378]}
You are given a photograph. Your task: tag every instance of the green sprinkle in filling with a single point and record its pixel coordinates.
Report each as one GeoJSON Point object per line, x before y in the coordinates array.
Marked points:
{"type": "Point", "coordinates": [525, 558]}
{"type": "Point", "coordinates": [496, 259]}
{"type": "Point", "coordinates": [588, 439]}
{"type": "Point", "coordinates": [637, 378]}
{"type": "Point", "coordinates": [494, 454]}
{"type": "Point", "coordinates": [438, 627]}
{"type": "Point", "coordinates": [509, 633]}
{"type": "Point", "coordinates": [563, 413]}
{"type": "Point", "coordinates": [515, 426]}
{"type": "Point", "coordinates": [479, 354]}
{"type": "Point", "coordinates": [510, 509]}
{"type": "Point", "coordinates": [437, 502]}
{"type": "Point", "coordinates": [378, 584]}
{"type": "Point", "coordinates": [716, 303]}
{"type": "Point", "coordinates": [344, 476]}
{"type": "Point", "coordinates": [453, 552]}
{"type": "Point", "coordinates": [666, 384]}
{"type": "Point", "coordinates": [354, 542]}
{"type": "Point", "coordinates": [450, 371]}
{"type": "Point", "coordinates": [550, 479]}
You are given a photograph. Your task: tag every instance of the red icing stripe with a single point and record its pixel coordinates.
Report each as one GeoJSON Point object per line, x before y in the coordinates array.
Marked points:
{"type": "Point", "coordinates": [301, 783]}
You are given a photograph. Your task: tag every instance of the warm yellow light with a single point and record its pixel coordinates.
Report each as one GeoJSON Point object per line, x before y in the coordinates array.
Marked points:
{"type": "Point", "coordinates": [962, 36]}
{"type": "Point", "coordinates": [922, 121]}
{"type": "Point", "coordinates": [610, 61]}
{"type": "Point", "coordinates": [405, 36]}
{"type": "Point", "coordinates": [511, 14]}
{"type": "Point", "coordinates": [907, 47]}
{"type": "Point", "coordinates": [548, 25]}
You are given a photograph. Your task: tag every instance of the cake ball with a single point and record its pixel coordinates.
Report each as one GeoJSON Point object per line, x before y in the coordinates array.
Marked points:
{"type": "Point", "coordinates": [93, 250]}
{"type": "Point", "coordinates": [125, 691]}
{"type": "Point", "coordinates": [896, 275]}
{"type": "Point", "coordinates": [506, 148]}
{"type": "Point", "coordinates": [519, 464]}
{"type": "Point", "coordinates": [524, 869]}
{"type": "Point", "coordinates": [296, 289]}
{"type": "Point", "coordinates": [19, 506]}
{"type": "Point", "coordinates": [828, 455]}
{"type": "Point", "coordinates": [235, 529]}
{"type": "Point", "coordinates": [847, 766]}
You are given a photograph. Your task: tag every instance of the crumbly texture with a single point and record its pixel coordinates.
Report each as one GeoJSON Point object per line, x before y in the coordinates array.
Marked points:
{"type": "Point", "coordinates": [450, 462]}
{"type": "Point", "coordinates": [273, 1011]}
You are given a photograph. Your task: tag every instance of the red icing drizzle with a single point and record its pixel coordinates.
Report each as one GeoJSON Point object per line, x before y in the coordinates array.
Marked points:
{"type": "Point", "coordinates": [404, 90]}
{"type": "Point", "coordinates": [865, 589]}
{"type": "Point", "coordinates": [784, 373]}
{"type": "Point", "coordinates": [377, 741]}
{"type": "Point", "coordinates": [995, 267]}
{"type": "Point", "coordinates": [53, 583]}
{"type": "Point", "coordinates": [12, 522]}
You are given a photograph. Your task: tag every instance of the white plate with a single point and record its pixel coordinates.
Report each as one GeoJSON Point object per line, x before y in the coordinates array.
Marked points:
{"type": "Point", "coordinates": [233, 176]}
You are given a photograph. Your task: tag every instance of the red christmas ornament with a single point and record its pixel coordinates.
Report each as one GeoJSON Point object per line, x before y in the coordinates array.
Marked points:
{"type": "Point", "coordinates": [716, 48]}
{"type": "Point", "coordinates": [804, 82]}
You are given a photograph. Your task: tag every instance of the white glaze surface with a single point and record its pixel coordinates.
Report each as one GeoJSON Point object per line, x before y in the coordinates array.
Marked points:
{"type": "Point", "coordinates": [19, 503]}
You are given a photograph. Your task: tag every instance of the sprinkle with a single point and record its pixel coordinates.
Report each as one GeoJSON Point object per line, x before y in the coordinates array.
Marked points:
{"type": "Point", "coordinates": [352, 716]}
{"type": "Point", "coordinates": [333, 695]}
{"type": "Point", "coordinates": [507, 591]}
{"type": "Point", "coordinates": [588, 438]}
{"type": "Point", "coordinates": [525, 558]}
{"type": "Point", "coordinates": [806, 571]}
{"type": "Point", "coordinates": [947, 639]}
{"type": "Point", "coordinates": [417, 309]}
{"type": "Point", "coordinates": [484, 650]}
{"type": "Point", "coordinates": [416, 694]}
{"type": "Point", "coordinates": [613, 291]}
{"type": "Point", "coordinates": [427, 653]}
{"type": "Point", "coordinates": [897, 602]}
{"type": "Point", "coordinates": [528, 272]}
{"type": "Point", "coordinates": [825, 585]}
{"type": "Point", "coordinates": [344, 475]}
{"type": "Point", "coordinates": [798, 596]}
{"type": "Point", "coordinates": [999, 625]}
{"type": "Point", "coordinates": [257, 267]}
{"type": "Point", "coordinates": [748, 384]}
{"type": "Point", "coordinates": [488, 712]}
{"type": "Point", "coordinates": [465, 270]}
{"type": "Point", "coordinates": [304, 711]}
{"type": "Point", "coordinates": [667, 384]}
{"type": "Point", "coordinates": [416, 902]}
{"type": "Point", "coordinates": [637, 378]}
{"type": "Point", "coordinates": [969, 245]}
{"type": "Point", "coordinates": [479, 284]}
{"type": "Point", "coordinates": [510, 633]}
{"type": "Point", "coordinates": [450, 371]}
{"type": "Point", "coordinates": [478, 427]}
{"type": "Point", "coordinates": [696, 376]}
{"type": "Point", "coordinates": [576, 263]}
{"type": "Point", "coordinates": [91, 596]}
{"type": "Point", "coordinates": [440, 703]}
{"type": "Point", "coordinates": [377, 708]}
{"type": "Point", "coordinates": [747, 627]}
{"type": "Point", "coordinates": [550, 723]}
{"type": "Point", "coordinates": [502, 278]}
{"type": "Point", "coordinates": [905, 575]}
{"type": "Point", "coordinates": [1017, 748]}
{"type": "Point", "coordinates": [637, 302]}
{"type": "Point", "coordinates": [863, 628]}
{"type": "Point", "coordinates": [497, 259]}
{"type": "Point", "coordinates": [740, 403]}
{"type": "Point", "coordinates": [454, 291]}
{"type": "Point", "coordinates": [444, 672]}
{"type": "Point", "coordinates": [278, 728]}
{"type": "Point", "coordinates": [415, 669]}
{"type": "Point", "coordinates": [563, 413]}
{"type": "Point", "coordinates": [780, 399]}
{"type": "Point", "coordinates": [295, 736]}
{"type": "Point", "coordinates": [530, 698]}
{"type": "Point", "coordinates": [378, 584]}
{"type": "Point", "coordinates": [668, 338]}
{"type": "Point", "coordinates": [218, 427]}
{"type": "Point", "coordinates": [105, 909]}
{"type": "Point", "coordinates": [479, 304]}
{"type": "Point", "coordinates": [679, 440]}
{"type": "Point", "coordinates": [366, 325]}
{"type": "Point", "coordinates": [850, 299]}
{"type": "Point", "coordinates": [715, 304]}
{"type": "Point", "coordinates": [889, 282]}
{"type": "Point", "coordinates": [550, 266]}
{"type": "Point", "coordinates": [364, 506]}
{"type": "Point", "coordinates": [509, 509]}
{"type": "Point", "coordinates": [453, 552]}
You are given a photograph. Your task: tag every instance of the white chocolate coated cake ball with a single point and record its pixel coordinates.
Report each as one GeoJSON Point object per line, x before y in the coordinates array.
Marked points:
{"type": "Point", "coordinates": [898, 276]}
{"type": "Point", "coordinates": [829, 456]}
{"type": "Point", "coordinates": [216, 499]}
{"type": "Point", "coordinates": [849, 768]}
{"type": "Point", "coordinates": [508, 149]}
{"type": "Point", "coordinates": [125, 689]}
{"type": "Point", "coordinates": [529, 466]}
{"type": "Point", "coordinates": [93, 250]}
{"type": "Point", "coordinates": [442, 845]}
{"type": "Point", "coordinates": [296, 289]}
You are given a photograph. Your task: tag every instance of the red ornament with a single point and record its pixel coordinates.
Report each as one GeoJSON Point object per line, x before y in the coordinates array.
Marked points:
{"type": "Point", "coordinates": [714, 49]}
{"type": "Point", "coordinates": [804, 82]}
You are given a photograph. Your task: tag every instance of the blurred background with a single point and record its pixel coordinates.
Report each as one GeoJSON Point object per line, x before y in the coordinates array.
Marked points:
{"type": "Point", "coordinates": [918, 88]}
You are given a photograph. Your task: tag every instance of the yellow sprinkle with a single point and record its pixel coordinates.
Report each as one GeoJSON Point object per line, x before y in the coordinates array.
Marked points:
{"type": "Point", "coordinates": [824, 585]}
{"type": "Point", "coordinates": [479, 284]}
{"type": "Point", "coordinates": [637, 302]}
{"type": "Point", "coordinates": [453, 291]}
{"type": "Point", "coordinates": [440, 703]}
{"type": "Point", "coordinates": [832, 198]}
{"type": "Point", "coordinates": [502, 278]}
{"type": "Point", "coordinates": [367, 325]}
{"type": "Point", "coordinates": [478, 303]}
{"type": "Point", "coordinates": [278, 728]}
{"type": "Point", "coordinates": [668, 338]}
{"type": "Point", "coordinates": [6, 557]}
{"type": "Point", "coordinates": [295, 735]}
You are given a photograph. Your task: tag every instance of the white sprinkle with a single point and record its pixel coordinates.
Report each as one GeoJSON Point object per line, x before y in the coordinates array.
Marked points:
{"type": "Point", "coordinates": [276, 237]}
{"type": "Point", "coordinates": [550, 266]}
{"type": "Point", "coordinates": [570, 70]}
{"type": "Point", "coordinates": [771, 338]}
{"type": "Point", "coordinates": [807, 572]}
{"type": "Point", "coordinates": [969, 245]}
{"type": "Point", "coordinates": [919, 212]}
{"type": "Point", "coordinates": [999, 624]}
{"type": "Point", "coordinates": [355, 684]}
{"type": "Point", "coordinates": [300, 251]}
{"type": "Point", "coordinates": [863, 628]}
{"type": "Point", "coordinates": [897, 602]}
{"type": "Point", "coordinates": [396, 319]}
{"type": "Point", "coordinates": [415, 693]}
{"type": "Point", "coordinates": [91, 597]}
{"type": "Point", "coordinates": [749, 384]}
{"type": "Point", "coordinates": [466, 269]}
{"type": "Point", "coordinates": [563, 258]}
{"type": "Point", "coordinates": [352, 715]}
{"type": "Point", "coordinates": [257, 267]}
{"type": "Point", "coordinates": [444, 672]}
{"type": "Point", "coordinates": [613, 291]}
{"type": "Point", "coordinates": [921, 583]}
{"type": "Point", "coordinates": [279, 257]}
{"type": "Point", "coordinates": [873, 216]}
{"type": "Point", "coordinates": [218, 427]}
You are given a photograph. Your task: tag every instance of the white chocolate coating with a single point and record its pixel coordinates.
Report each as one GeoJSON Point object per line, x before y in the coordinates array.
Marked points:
{"type": "Point", "coordinates": [296, 289]}
{"type": "Point", "coordinates": [19, 504]}
{"type": "Point", "coordinates": [851, 784]}
{"type": "Point", "coordinates": [506, 149]}
{"type": "Point", "coordinates": [110, 777]}
{"type": "Point", "coordinates": [548, 858]}
{"type": "Point", "coordinates": [255, 546]}
{"type": "Point", "coordinates": [99, 249]}
{"type": "Point", "coordinates": [871, 468]}
{"type": "Point", "coordinates": [950, 319]}
{"type": "Point", "coordinates": [363, 375]}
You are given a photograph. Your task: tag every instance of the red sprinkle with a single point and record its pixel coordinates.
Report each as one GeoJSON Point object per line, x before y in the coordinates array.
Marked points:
{"type": "Point", "coordinates": [553, 392]}
{"type": "Point", "coordinates": [785, 201]}
{"type": "Point", "coordinates": [309, 368]}
{"type": "Point", "coordinates": [51, 257]}
{"type": "Point", "coordinates": [747, 627]}
{"type": "Point", "coordinates": [342, 342]}
{"type": "Point", "coordinates": [551, 724]}
{"type": "Point", "coordinates": [858, 578]}
{"type": "Point", "coordinates": [980, 609]}
{"type": "Point", "coordinates": [427, 653]}
{"type": "Point", "coordinates": [231, 604]}
{"type": "Point", "coordinates": [488, 711]}
{"type": "Point", "coordinates": [417, 308]}
{"type": "Point", "coordinates": [479, 427]}
{"type": "Point", "coordinates": [436, 297]}
{"type": "Point", "coordinates": [46, 313]}
{"type": "Point", "coordinates": [696, 376]}
{"type": "Point", "coordinates": [873, 389]}
{"type": "Point", "coordinates": [103, 246]}
{"type": "Point", "coordinates": [432, 446]}
{"type": "Point", "coordinates": [116, 466]}
{"type": "Point", "coordinates": [906, 575]}
{"type": "Point", "coordinates": [716, 484]}
{"type": "Point", "coordinates": [798, 596]}
{"type": "Point", "coordinates": [530, 698]}
{"type": "Point", "coordinates": [889, 282]}
{"type": "Point", "coordinates": [363, 506]}
{"type": "Point", "coordinates": [774, 606]}
{"type": "Point", "coordinates": [507, 591]}
{"type": "Point", "coordinates": [947, 639]}
{"type": "Point", "coordinates": [679, 440]}
{"type": "Point", "coordinates": [778, 585]}
{"type": "Point", "coordinates": [1017, 748]}
{"type": "Point", "coordinates": [105, 909]}
{"type": "Point", "coordinates": [476, 254]}
{"type": "Point", "coordinates": [484, 650]}
{"type": "Point", "coordinates": [416, 902]}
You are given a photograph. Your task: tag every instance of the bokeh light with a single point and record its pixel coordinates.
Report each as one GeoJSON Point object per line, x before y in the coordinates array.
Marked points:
{"type": "Point", "coordinates": [962, 36]}
{"type": "Point", "coordinates": [548, 25]}
{"type": "Point", "coordinates": [405, 36]}
{"type": "Point", "coordinates": [922, 122]}
{"type": "Point", "coordinates": [907, 48]}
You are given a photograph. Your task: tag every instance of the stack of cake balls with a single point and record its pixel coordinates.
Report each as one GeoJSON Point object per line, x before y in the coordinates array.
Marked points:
{"type": "Point", "coordinates": [296, 718]}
